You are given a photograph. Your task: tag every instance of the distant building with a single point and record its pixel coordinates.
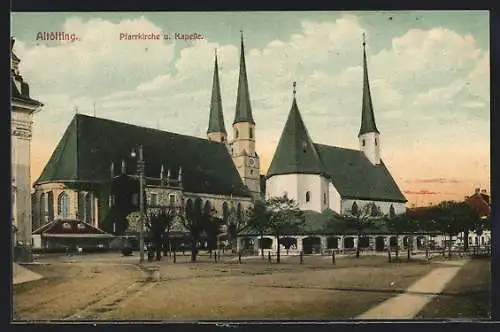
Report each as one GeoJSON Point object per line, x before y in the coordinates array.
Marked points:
{"type": "Point", "coordinates": [22, 109]}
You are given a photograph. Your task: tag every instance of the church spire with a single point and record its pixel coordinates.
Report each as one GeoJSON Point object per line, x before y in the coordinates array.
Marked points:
{"type": "Point", "coordinates": [295, 153]}
{"type": "Point", "coordinates": [243, 108]}
{"type": "Point", "coordinates": [216, 120]}
{"type": "Point", "coordinates": [367, 117]}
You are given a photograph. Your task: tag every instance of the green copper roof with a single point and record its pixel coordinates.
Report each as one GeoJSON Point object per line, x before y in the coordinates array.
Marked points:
{"type": "Point", "coordinates": [354, 176]}
{"type": "Point", "coordinates": [295, 152]}
{"type": "Point", "coordinates": [367, 116]}
{"type": "Point", "coordinates": [216, 120]}
{"type": "Point", "coordinates": [90, 145]}
{"type": "Point", "coordinates": [243, 107]}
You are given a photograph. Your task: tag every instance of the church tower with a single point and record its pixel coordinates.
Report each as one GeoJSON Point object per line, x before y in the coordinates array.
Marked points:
{"type": "Point", "coordinates": [243, 145]}
{"type": "Point", "coordinates": [216, 127]}
{"type": "Point", "coordinates": [369, 136]}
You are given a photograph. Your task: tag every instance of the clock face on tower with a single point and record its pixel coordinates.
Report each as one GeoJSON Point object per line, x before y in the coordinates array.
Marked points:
{"type": "Point", "coordinates": [251, 162]}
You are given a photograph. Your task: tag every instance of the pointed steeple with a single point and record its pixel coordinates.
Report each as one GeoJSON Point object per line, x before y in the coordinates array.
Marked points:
{"type": "Point", "coordinates": [367, 117]}
{"type": "Point", "coordinates": [243, 107]}
{"type": "Point", "coordinates": [216, 120]}
{"type": "Point", "coordinates": [295, 153]}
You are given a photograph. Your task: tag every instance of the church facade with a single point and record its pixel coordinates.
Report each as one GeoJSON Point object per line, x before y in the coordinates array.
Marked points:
{"type": "Point", "coordinates": [22, 109]}
{"type": "Point", "coordinates": [76, 184]}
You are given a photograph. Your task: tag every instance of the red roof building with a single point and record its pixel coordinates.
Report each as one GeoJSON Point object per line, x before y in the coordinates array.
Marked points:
{"type": "Point", "coordinates": [480, 201]}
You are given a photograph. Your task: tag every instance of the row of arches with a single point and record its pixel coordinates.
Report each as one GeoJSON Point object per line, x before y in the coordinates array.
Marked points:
{"type": "Point", "coordinates": [313, 244]}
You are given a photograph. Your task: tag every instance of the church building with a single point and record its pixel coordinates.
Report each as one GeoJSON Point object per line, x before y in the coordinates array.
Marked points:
{"type": "Point", "coordinates": [75, 185]}
{"type": "Point", "coordinates": [22, 109]}
{"type": "Point", "coordinates": [320, 177]}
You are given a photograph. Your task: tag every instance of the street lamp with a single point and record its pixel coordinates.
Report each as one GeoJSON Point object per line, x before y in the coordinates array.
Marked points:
{"type": "Point", "coordinates": [140, 170]}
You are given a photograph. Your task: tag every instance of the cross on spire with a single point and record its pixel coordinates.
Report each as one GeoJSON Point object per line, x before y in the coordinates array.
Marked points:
{"type": "Point", "coordinates": [364, 39]}
{"type": "Point", "coordinates": [294, 84]}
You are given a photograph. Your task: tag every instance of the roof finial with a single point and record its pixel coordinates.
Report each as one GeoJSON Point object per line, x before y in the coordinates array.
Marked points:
{"type": "Point", "coordinates": [294, 85]}
{"type": "Point", "coordinates": [364, 39]}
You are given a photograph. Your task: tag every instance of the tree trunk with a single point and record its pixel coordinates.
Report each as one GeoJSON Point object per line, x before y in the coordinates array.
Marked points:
{"type": "Point", "coordinates": [277, 248]}
{"type": "Point", "coordinates": [158, 248]}
{"type": "Point", "coordinates": [194, 249]}
{"type": "Point", "coordinates": [427, 247]}
{"type": "Point", "coordinates": [410, 241]}
{"type": "Point", "coordinates": [262, 245]}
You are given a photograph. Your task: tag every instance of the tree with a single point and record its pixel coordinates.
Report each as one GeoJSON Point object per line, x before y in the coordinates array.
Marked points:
{"type": "Point", "coordinates": [159, 221]}
{"type": "Point", "coordinates": [213, 228]}
{"type": "Point", "coordinates": [404, 223]}
{"type": "Point", "coordinates": [452, 219]}
{"type": "Point", "coordinates": [235, 223]}
{"type": "Point", "coordinates": [194, 219]}
{"type": "Point", "coordinates": [426, 220]}
{"type": "Point", "coordinates": [362, 219]}
{"type": "Point", "coordinates": [284, 217]}
{"type": "Point", "coordinates": [258, 219]}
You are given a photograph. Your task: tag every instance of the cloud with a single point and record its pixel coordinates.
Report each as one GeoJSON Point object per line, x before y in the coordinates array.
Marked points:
{"type": "Point", "coordinates": [421, 192]}
{"type": "Point", "coordinates": [99, 61]}
{"type": "Point", "coordinates": [434, 180]}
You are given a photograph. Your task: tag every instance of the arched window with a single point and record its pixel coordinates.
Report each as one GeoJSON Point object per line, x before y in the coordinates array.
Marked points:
{"type": "Point", "coordinates": [43, 208]}
{"type": "Point", "coordinates": [236, 133]}
{"type": "Point", "coordinates": [308, 196]}
{"type": "Point", "coordinates": [363, 142]}
{"type": "Point", "coordinates": [63, 205]}
{"type": "Point", "coordinates": [354, 209]}
{"type": "Point", "coordinates": [189, 208]}
{"type": "Point", "coordinates": [50, 206]}
{"type": "Point", "coordinates": [222, 139]}
{"type": "Point", "coordinates": [88, 208]}
{"type": "Point", "coordinates": [81, 205]}
{"type": "Point", "coordinates": [392, 212]}
{"type": "Point", "coordinates": [207, 209]}
{"type": "Point", "coordinates": [324, 198]}
{"type": "Point", "coordinates": [239, 212]}
{"type": "Point", "coordinates": [225, 211]}
{"type": "Point", "coordinates": [251, 132]}
{"type": "Point", "coordinates": [376, 142]}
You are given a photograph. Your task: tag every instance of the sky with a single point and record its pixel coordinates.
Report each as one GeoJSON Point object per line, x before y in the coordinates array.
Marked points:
{"type": "Point", "coordinates": [429, 75]}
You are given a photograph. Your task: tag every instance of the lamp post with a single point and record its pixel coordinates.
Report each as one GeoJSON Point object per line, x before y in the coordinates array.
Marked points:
{"type": "Point", "coordinates": [140, 170]}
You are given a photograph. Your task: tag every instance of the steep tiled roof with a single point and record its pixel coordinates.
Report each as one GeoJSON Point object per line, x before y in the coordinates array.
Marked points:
{"type": "Point", "coordinates": [356, 177]}
{"type": "Point", "coordinates": [90, 145]}
{"type": "Point", "coordinates": [295, 152]}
